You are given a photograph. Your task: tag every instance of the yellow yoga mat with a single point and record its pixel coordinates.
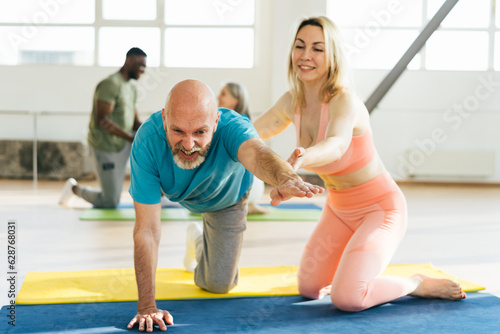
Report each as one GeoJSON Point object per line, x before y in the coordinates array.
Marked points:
{"type": "Point", "coordinates": [175, 283]}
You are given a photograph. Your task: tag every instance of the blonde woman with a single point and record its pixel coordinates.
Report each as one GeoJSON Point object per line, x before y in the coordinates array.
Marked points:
{"type": "Point", "coordinates": [234, 96]}
{"type": "Point", "coordinates": [365, 216]}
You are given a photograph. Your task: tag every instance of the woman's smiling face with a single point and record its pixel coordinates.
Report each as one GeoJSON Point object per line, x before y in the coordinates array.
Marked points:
{"type": "Point", "coordinates": [308, 58]}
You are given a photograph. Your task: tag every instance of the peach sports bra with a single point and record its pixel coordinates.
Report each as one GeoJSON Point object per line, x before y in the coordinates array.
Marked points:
{"type": "Point", "coordinates": [359, 153]}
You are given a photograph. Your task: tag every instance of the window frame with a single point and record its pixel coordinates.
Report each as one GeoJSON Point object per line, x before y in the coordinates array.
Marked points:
{"type": "Point", "coordinates": [159, 22]}
{"type": "Point", "coordinates": [492, 29]}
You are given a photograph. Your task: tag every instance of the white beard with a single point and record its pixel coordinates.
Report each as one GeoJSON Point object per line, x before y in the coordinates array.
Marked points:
{"type": "Point", "coordinates": [188, 164]}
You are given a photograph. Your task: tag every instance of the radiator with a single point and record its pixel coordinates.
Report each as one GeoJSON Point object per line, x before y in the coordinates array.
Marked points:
{"type": "Point", "coordinates": [55, 160]}
{"type": "Point", "coordinates": [447, 163]}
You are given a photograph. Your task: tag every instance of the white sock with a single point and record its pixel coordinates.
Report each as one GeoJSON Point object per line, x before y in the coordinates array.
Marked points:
{"type": "Point", "coordinates": [193, 238]}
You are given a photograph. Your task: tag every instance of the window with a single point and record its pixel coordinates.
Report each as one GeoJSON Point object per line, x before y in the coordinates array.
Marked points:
{"type": "Point", "coordinates": [210, 13]}
{"type": "Point", "coordinates": [188, 33]}
{"type": "Point", "coordinates": [34, 31]}
{"type": "Point", "coordinates": [498, 15]}
{"type": "Point", "coordinates": [363, 13]}
{"type": "Point", "coordinates": [457, 50]}
{"type": "Point", "coordinates": [465, 14]}
{"type": "Point", "coordinates": [202, 33]}
{"type": "Point", "coordinates": [129, 10]}
{"type": "Point", "coordinates": [377, 33]}
{"type": "Point", "coordinates": [497, 51]}
{"type": "Point", "coordinates": [114, 42]}
{"type": "Point", "coordinates": [36, 12]}
{"type": "Point", "coordinates": [209, 47]}
{"type": "Point", "coordinates": [364, 52]}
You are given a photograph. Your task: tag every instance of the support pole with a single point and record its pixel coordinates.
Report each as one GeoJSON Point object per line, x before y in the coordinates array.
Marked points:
{"type": "Point", "coordinates": [35, 150]}
{"type": "Point", "coordinates": [386, 84]}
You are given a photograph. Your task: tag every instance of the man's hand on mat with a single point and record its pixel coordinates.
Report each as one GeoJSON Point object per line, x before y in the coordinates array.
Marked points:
{"type": "Point", "coordinates": [293, 188]}
{"type": "Point", "coordinates": [150, 318]}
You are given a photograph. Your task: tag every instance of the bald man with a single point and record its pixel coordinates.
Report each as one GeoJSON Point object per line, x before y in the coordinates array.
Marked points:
{"type": "Point", "coordinates": [203, 158]}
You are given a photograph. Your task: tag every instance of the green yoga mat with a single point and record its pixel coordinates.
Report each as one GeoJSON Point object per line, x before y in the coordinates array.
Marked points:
{"type": "Point", "coordinates": [183, 214]}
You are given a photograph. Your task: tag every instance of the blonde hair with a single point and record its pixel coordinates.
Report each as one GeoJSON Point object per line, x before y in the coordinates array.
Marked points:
{"type": "Point", "coordinates": [238, 91]}
{"type": "Point", "coordinates": [336, 62]}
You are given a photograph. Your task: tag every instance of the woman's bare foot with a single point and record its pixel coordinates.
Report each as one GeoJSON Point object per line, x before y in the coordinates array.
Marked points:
{"type": "Point", "coordinates": [255, 208]}
{"type": "Point", "coordinates": [325, 291]}
{"type": "Point", "coordinates": [443, 288]}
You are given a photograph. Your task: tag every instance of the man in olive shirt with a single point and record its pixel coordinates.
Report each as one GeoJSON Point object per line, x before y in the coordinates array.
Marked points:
{"type": "Point", "coordinates": [112, 129]}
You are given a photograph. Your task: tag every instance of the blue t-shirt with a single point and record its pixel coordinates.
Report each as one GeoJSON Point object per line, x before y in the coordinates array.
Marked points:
{"type": "Point", "coordinates": [219, 182]}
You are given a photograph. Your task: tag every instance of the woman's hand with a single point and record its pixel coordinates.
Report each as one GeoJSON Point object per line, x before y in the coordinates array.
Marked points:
{"type": "Point", "coordinates": [296, 159]}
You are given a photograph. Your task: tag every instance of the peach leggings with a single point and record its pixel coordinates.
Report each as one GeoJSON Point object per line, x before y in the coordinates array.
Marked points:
{"type": "Point", "coordinates": [354, 241]}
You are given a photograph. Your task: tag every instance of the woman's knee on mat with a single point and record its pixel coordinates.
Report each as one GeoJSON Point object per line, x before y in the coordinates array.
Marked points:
{"type": "Point", "coordinates": [349, 299]}
{"type": "Point", "coordinates": [309, 289]}
{"type": "Point", "coordinates": [309, 293]}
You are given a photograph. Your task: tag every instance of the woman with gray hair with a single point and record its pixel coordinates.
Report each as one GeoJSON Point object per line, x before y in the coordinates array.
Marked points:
{"type": "Point", "coordinates": [234, 96]}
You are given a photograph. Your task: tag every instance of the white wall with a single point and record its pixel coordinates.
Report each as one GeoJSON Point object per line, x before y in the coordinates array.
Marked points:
{"type": "Point", "coordinates": [463, 106]}
{"type": "Point", "coordinates": [418, 103]}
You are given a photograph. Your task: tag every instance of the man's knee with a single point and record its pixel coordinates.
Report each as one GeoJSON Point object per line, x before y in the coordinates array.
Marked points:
{"type": "Point", "coordinates": [220, 287]}
{"type": "Point", "coordinates": [109, 202]}
{"type": "Point", "coordinates": [217, 285]}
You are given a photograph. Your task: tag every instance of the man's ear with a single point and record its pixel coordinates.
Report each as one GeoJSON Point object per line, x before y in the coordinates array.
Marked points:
{"type": "Point", "coordinates": [164, 118]}
{"type": "Point", "coordinates": [129, 61]}
{"type": "Point", "coordinates": [217, 121]}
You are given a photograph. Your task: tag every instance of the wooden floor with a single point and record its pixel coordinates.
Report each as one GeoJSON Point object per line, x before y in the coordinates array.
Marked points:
{"type": "Point", "coordinates": [456, 228]}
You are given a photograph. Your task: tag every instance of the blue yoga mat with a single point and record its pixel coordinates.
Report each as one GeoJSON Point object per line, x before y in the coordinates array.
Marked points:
{"type": "Point", "coordinates": [479, 313]}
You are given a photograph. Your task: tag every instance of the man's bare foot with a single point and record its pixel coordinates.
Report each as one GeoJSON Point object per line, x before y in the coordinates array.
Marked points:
{"type": "Point", "coordinates": [443, 288]}
{"type": "Point", "coordinates": [256, 209]}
